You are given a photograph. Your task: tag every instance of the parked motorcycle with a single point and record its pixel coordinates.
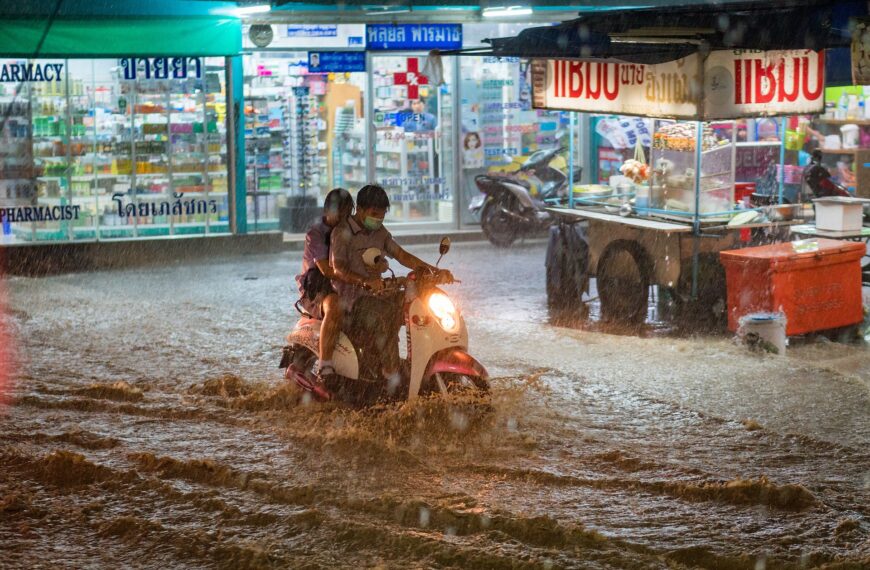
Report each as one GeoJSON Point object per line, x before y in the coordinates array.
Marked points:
{"type": "Point", "coordinates": [512, 204]}
{"type": "Point", "coordinates": [437, 349]}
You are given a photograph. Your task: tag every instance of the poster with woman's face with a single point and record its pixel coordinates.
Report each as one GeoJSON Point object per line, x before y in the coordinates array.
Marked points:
{"type": "Point", "coordinates": [472, 151]}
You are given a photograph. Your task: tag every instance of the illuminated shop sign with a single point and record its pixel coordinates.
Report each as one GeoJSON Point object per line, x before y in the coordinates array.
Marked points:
{"type": "Point", "coordinates": [413, 36]}
{"type": "Point", "coordinates": [336, 61]}
{"type": "Point", "coordinates": [312, 31]}
{"type": "Point", "coordinates": [737, 83]}
{"type": "Point", "coordinates": [18, 72]}
{"type": "Point", "coordinates": [161, 67]}
{"type": "Point", "coordinates": [178, 207]}
{"type": "Point", "coordinates": [39, 214]}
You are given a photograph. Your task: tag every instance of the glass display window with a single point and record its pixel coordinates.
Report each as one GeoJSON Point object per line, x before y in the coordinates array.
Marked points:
{"type": "Point", "coordinates": [675, 160]}
{"type": "Point", "coordinates": [615, 140]}
{"type": "Point", "coordinates": [304, 135]}
{"type": "Point", "coordinates": [413, 131]}
{"type": "Point", "coordinates": [499, 127]}
{"type": "Point", "coordinates": [110, 148]}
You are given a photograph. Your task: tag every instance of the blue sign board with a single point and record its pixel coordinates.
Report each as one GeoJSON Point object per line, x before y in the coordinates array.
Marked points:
{"type": "Point", "coordinates": [413, 36]}
{"type": "Point", "coordinates": [306, 31]}
{"type": "Point", "coordinates": [336, 61]}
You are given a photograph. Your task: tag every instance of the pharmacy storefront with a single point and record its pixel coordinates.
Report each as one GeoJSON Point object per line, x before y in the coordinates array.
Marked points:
{"type": "Point", "coordinates": [348, 104]}
{"type": "Point", "coordinates": [129, 142]}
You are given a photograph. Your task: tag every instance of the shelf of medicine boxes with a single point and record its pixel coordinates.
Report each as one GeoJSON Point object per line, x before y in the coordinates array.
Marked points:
{"type": "Point", "coordinates": [404, 148]}
{"type": "Point", "coordinates": [354, 158]}
{"type": "Point", "coordinates": [263, 141]}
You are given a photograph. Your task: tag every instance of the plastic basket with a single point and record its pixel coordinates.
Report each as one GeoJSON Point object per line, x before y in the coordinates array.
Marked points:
{"type": "Point", "coordinates": [793, 173]}
{"type": "Point", "coordinates": [794, 140]}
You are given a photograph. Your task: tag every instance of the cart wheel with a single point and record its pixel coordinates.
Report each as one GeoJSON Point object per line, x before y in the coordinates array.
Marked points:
{"type": "Point", "coordinates": [567, 277]}
{"type": "Point", "coordinates": [623, 282]}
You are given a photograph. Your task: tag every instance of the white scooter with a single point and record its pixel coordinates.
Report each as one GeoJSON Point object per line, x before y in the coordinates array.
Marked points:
{"type": "Point", "coordinates": [437, 361]}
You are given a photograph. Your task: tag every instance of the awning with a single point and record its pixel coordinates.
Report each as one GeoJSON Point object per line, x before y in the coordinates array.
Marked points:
{"type": "Point", "coordinates": [658, 35]}
{"type": "Point", "coordinates": [119, 28]}
{"type": "Point", "coordinates": [194, 37]}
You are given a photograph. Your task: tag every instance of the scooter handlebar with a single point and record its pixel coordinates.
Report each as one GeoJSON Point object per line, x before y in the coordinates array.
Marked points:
{"type": "Point", "coordinates": [422, 276]}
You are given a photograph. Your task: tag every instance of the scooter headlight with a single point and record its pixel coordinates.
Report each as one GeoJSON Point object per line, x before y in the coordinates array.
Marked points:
{"type": "Point", "coordinates": [444, 310]}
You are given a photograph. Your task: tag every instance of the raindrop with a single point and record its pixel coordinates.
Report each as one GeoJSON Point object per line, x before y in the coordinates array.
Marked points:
{"type": "Point", "coordinates": [485, 521]}
{"type": "Point", "coordinates": [392, 384]}
{"type": "Point", "coordinates": [306, 398]}
{"type": "Point", "coordinates": [512, 424]}
{"type": "Point", "coordinates": [424, 517]}
{"type": "Point", "coordinates": [459, 420]}
{"type": "Point", "coordinates": [450, 531]}
{"type": "Point", "coordinates": [548, 563]}
{"type": "Point", "coordinates": [761, 563]}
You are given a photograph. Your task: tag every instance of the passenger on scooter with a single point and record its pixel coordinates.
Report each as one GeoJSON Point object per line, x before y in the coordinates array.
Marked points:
{"type": "Point", "coordinates": [357, 282]}
{"type": "Point", "coordinates": [319, 299]}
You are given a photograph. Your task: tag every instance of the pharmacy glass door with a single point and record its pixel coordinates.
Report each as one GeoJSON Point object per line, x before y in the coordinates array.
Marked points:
{"type": "Point", "coordinates": [413, 130]}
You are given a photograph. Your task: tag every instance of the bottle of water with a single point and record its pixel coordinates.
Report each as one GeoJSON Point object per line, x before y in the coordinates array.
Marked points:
{"type": "Point", "coordinates": [842, 107]}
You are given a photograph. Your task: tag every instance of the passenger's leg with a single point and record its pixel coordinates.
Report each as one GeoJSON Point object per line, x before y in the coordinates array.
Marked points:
{"type": "Point", "coordinates": [329, 328]}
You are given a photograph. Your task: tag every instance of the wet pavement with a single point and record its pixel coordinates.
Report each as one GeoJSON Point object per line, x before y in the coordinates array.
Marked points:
{"type": "Point", "coordinates": [149, 427]}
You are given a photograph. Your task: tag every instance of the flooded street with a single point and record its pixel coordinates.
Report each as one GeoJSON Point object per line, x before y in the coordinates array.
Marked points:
{"type": "Point", "coordinates": [149, 426]}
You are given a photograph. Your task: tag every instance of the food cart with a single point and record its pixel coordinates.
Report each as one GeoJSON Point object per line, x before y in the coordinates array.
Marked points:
{"type": "Point", "coordinates": [668, 229]}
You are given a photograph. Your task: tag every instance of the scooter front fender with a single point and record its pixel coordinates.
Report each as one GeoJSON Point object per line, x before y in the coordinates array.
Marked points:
{"type": "Point", "coordinates": [456, 361]}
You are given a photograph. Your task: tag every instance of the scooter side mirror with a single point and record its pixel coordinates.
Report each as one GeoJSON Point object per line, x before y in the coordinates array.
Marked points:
{"type": "Point", "coordinates": [444, 246]}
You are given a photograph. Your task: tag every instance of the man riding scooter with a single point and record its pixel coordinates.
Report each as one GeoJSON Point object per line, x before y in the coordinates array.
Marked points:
{"type": "Point", "coordinates": [358, 283]}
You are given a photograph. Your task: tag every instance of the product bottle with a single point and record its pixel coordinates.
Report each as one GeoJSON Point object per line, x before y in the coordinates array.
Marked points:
{"type": "Point", "coordinates": [842, 107]}
{"type": "Point", "coordinates": [852, 109]}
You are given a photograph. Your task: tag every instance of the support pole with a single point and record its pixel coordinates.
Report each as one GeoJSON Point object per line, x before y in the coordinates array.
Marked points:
{"type": "Point", "coordinates": [237, 200]}
{"type": "Point", "coordinates": [782, 131]}
{"type": "Point", "coordinates": [696, 221]}
{"type": "Point", "coordinates": [572, 127]}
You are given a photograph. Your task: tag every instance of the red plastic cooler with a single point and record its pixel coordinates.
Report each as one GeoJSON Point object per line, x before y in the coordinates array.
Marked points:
{"type": "Point", "coordinates": [817, 290]}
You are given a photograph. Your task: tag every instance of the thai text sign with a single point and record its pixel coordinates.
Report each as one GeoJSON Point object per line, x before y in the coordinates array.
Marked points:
{"type": "Point", "coordinates": [763, 83]}
{"type": "Point", "coordinates": [736, 84]}
{"type": "Point", "coordinates": [312, 31]}
{"type": "Point", "coordinates": [336, 61]}
{"type": "Point", "coordinates": [413, 36]}
{"type": "Point", "coordinates": [665, 90]}
{"type": "Point", "coordinates": [161, 67]}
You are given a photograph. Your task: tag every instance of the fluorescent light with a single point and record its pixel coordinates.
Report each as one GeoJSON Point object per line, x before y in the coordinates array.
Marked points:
{"type": "Point", "coordinates": [508, 11]}
{"type": "Point", "coordinates": [386, 12]}
{"type": "Point", "coordinates": [258, 9]}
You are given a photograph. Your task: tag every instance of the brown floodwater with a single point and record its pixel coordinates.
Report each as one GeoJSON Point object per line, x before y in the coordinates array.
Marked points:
{"type": "Point", "coordinates": [148, 426]}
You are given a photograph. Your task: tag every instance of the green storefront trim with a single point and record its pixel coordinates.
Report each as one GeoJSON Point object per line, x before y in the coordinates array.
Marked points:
{"type": "Point", "coordinates": [198, 36]}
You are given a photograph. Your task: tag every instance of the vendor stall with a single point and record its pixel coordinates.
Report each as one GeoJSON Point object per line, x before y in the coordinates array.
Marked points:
{"type": "Point", "coordinates": [665, 221]}
{"type": "Point", "coordinates": [671, 213]}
